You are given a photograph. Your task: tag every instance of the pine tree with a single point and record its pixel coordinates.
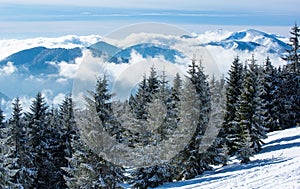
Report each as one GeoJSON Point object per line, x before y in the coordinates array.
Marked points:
{"type": "Point", "coordinates": [250, 115]}
{"type": "Point", "coordinates": [233, 92]}
{"type": "Point", "coordinates": [217, 153]}
{"type": "Point", "coordinates": [153, 176]}
{"type": "Point", "coordinates": [55, 148]}
{"type": "Point", "coordinates": [293, 56]}
{"type": "Point", "coordinates": [267, 93]}
{"type": "Point", "coordinates": [289, 98]}
{"type": "Point", "coordinates": [68, 124]}
{"type": "Point", "coordinates": [139, 102]}
{"type": "Point", "coordinates": [290, 83]}
{"type": "Point", "coordinates": [191, 161]}
{"type": "Point", "coordinates": [18, 136]}
{"type": "Point", "coordinates": [34, 172]}
{"type": "Point", "coordinates": [153, 82]}
{"type": "Point", "coordinates": [88, 170]}
{"type": "Point", "coordinates": [4, 149]}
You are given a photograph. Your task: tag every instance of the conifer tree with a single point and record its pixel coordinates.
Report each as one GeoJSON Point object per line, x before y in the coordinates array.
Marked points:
{"type": "Point", "coordinates": [68, 124]}
{"type": "Point", "coordinates": [290, 82]}
{"type": "Point", "coordinates": [34, 172]}
{"type": "Point", "coordinates": [233, 92]}
{"type": "Point", "coordinates": [4, 171]}
{"type": "Point", "coordinates": [139, 102]}
{"type": "Point", "coordinates": [268, 93]}
{"type": "Point", "coordinates": [293, 56]}
{"type": "Point", "coordinates": [217, 153]}
{"type": "Point", "coordinates": [88, 170]}
{"type": "Point", "coordinates": [18, 136]}
{"type": "Point", "coordinates": [191, 160]}
{"type": "Point", "coordinates": [249, 127]}
{"type": "Point", "coordinates": [153, 82]}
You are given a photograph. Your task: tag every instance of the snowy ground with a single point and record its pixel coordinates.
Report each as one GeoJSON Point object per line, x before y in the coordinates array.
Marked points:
{"type": "Point", "coordinates": [276, 166]}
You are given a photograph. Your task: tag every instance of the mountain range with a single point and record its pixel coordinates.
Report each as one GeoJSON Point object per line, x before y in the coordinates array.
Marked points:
{"type": "Point", "coordinates": [39, 60]}
{"type": "Point", "coordinates": [42, 68]}
{"type": "Point", "coordinates": [250, 40]}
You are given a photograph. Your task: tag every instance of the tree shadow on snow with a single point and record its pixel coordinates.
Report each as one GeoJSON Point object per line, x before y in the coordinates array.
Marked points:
{"type": "Point", "coordinates": [250, 165]}
{"type": "Point", "coordinates": [210, 176]}
{"type": "Point", "coordinates": [284, 139]}
{"type": "Point", "coordinates": [196, 180]}
{"type": "Point", "coordinates": [276, 147]}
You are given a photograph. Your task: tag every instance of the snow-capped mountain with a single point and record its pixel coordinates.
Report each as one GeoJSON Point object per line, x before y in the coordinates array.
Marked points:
{"type": "Point", "coordinates": [102, 48]}
{"type": "Point", "coordinates": [41, 60]}
{"type": "Point", "coordinates": [250, 40]}
{"type": "Point", "coordinates": [50, 64]}
{"type": "Point", "coordinates": [146, 50]}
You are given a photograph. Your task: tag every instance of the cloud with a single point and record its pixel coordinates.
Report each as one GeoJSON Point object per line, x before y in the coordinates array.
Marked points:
{"type": "Point", "coordinates": [10, 46]}
{"type": "Point", "coordinates": [8, 69]}
{"type": "Point", "coordinates": [58, 99]}
{"type": "Point", "coordinates": [67, 70]}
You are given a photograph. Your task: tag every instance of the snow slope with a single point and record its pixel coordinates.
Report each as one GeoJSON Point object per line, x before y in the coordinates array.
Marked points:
{"type": "Point", "coordinates": [276, 166]}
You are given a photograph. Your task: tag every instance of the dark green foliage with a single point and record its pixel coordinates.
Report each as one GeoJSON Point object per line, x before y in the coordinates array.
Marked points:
{"type": "Point", "coordinates": [233, 92]}
{"type": "Point", "coordinates": [153, 176]}
{"type": "Point", "coordinates": [88, 170]}
{"type": "Point", "coordinates": [293, 54]}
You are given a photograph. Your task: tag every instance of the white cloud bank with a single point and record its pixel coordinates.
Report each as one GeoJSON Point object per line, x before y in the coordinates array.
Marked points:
{"type": "Point", "coordinates": [8, 69]}
{"type": "Point", "coordinates": [10, 46]}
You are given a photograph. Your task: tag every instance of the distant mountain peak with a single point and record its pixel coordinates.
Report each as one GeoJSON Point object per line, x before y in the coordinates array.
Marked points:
{"type": "Point", "coordinates": [146, 50]}
{"type": "Point", "coordinates": [250, 40]}
{"type": "Point", "coordinates": [103, 48]}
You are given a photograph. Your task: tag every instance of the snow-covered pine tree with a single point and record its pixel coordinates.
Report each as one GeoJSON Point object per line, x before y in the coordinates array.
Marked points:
{"type": "Point", "coordinates": [139, 102]}
{"type": "Point", "coordinates": [249, 116]}
{"type": "Point", "coordinates": [68, 124]}
{"type": "Point", "coordinates": [153, 176]}
{"type": "Point", "coordinates": [88, 170]}
{"type": "Point", "coordinates": [262, 118]}
{"type": "Point", "coordinates": [17, 141]}
{"type": "Point", "coordinates": [153, 82]}
{"type": "Point", "coordinates": [86, 167]}
{"type": "Point", "coordinates": [102, 100]}
{"type": "Point", "coordinates": [289, 98]}
{"type": "Point", "coordinates": [291, 81]}
{"type": "Point", "coordinates": [190, 162]}
{"type": "Point", "coordinates": [217, 153]}
{"type": "Point", "coordinates": [39, 165]}
{"type": "Point", "coordinates": [233, 92]}
{"type": "Point", "coordinates": [4, 149]}
{"type": "Point", "coordinates": [268, 93]}
{"type": "Point", "coordinates": [55, 148]}
{"type": "Point", "coordinates": [34, 171]}
{"type": "Point", "coordinates": [293, 54]}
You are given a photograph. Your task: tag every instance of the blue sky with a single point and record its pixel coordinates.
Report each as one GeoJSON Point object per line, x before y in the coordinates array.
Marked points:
{"type": "Point", "coordinates": [79, 17]}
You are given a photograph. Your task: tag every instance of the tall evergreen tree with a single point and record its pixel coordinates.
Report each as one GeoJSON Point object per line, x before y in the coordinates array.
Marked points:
{"type": "Point", "coordinates": [35, 169]}
{"type": "Point", "coordinates": [139, 102]}
{"type": "Point", "coordinates": [88, 170]}
{"type": "Point", "coordinates": [4, 149]}
{"type": "Point", "coordinates": [250, 128]}
{"type": "Point", "coordinates": [268, 93]}
{"type": "Point", "coordinates": [153, 82]}
{"type": "Point", "coordinates": [233, 92]}
{"type": "Point", "coordinates": [68, 124]}
{"type": "Point", "coordinates": [18, 137]}
{"type": "Point", "coordinates": [192, 161]}
{"type": "Point", "coordinates": [290, 82]}
{"type": "Point", "coordinates": [293, 56]}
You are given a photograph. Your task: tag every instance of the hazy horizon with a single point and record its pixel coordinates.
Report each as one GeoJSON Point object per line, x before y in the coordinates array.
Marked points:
{"type": "Point", "coordinates": [55, 18]}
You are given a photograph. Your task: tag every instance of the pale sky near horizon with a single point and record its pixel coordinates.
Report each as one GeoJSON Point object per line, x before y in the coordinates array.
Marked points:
{"type": "Point", "coordinates": [83, 17]}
